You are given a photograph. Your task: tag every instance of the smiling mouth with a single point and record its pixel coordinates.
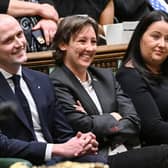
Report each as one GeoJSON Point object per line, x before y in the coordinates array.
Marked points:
{"type": "Point", "coordinates": [20, 51]}
{"type": "Point", "coordinates": [159, 52]}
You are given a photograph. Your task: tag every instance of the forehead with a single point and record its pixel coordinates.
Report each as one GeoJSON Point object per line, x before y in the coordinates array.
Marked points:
{"type": "Point", "coordinates": [160, 26]}
{"type": "Point", "coordinates": [87, 30]}
{"type": "Point", "coordinates": [9, 27]}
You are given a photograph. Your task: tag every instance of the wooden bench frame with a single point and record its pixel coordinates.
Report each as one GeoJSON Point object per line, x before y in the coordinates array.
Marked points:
{"type": "Point", "coordinates": [106, 56]}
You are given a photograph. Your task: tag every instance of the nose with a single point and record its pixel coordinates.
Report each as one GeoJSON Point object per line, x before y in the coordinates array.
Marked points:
{"type": "Point", "coordinates": [18, 42]}
{"type": "Point", "coordinates": [90, 46]}
{"type": "Point", "coordinates": [162, 42]}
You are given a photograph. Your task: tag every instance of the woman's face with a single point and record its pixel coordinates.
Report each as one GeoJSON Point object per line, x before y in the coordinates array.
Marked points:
{"type": "Point", "coordinates": [154, 44]}
{"type": "Point", "coordinates": [81, 49]}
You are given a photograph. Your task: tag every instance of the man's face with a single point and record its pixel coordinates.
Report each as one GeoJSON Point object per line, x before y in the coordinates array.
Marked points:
{"type": "Point", "coordinates": [12, 44]}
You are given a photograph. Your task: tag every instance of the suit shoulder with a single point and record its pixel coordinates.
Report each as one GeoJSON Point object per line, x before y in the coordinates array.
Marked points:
{"type": "Point", "coordinates": [57, 73]}
{"type": "Point", "coordinates": [35, 73]}
{"type": "Point", "coordinates": [101, 70]}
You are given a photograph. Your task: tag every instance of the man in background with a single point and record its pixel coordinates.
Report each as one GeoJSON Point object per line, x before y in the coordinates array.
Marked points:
{"type": "Point", "coordinates": [38, 19]}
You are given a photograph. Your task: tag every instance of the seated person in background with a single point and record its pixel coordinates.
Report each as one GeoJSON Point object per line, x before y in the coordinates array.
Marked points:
{"type": "Point", "coordinates": [144, 76]}
{"type": "Point", "coordinates": [93, 101]}
{"type": "Point", "coordinates": [130, 10]}
{"type": "Point", "coordinates": [38, 130]}
{"type": "Point", "coordinates": [40, 16]}
{"type": "Point", "coordinates": [101, 10]}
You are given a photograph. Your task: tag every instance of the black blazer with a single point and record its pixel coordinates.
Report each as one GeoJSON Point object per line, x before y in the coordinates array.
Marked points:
{"type": "Point", "coordinates": [112, 99]}
{"type": "Point", "coordinates": [22, 141]}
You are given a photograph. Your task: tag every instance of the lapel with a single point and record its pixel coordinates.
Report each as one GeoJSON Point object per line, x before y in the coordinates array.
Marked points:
{"type": "Point", "coordinates": [34, 87]}
{"type": "Point", "coordinates": [37, 94]}
{"type": "Point", "coordinates": [98, 87]}
{"type": "Point", "coordinates": [83, 96]}
{"type": "Point", "coordinates": [7, 94]}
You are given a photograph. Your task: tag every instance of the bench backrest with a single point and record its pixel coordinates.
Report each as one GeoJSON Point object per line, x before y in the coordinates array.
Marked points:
{"type": "Point", "coordinates": [106, 56]}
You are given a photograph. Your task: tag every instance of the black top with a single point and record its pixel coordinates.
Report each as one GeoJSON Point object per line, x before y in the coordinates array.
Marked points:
{"type": "Point", "coordinates": [4, 6]}
{"type": "Point", "coordinates": [46, 1]}
{"type": "Point", "coordinates": [151, 103]}
{"type": "Point", "coordinates": [131, 10]}
{"type": "Point", "coordinates": [93, 8]}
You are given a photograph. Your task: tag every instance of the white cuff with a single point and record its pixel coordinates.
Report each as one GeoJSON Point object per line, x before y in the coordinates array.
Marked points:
{"type": "Point", "coordinates": [48, 153]}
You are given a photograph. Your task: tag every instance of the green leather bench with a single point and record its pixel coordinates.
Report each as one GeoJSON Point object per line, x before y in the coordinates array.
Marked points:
{"type": "Point", "coordinates": [14, 163]}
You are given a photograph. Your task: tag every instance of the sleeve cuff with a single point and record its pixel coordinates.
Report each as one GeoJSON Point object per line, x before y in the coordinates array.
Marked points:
{"type": "Point", "coordinates": [48, 153]}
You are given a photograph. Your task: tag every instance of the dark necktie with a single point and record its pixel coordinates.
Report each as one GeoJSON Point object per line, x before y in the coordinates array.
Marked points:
{"type": "Point", "coordinates": [21, 97]}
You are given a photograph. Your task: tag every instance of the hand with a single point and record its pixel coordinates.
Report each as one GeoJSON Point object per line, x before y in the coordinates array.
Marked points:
{"type": "Point", "coordinates": [49, 28]}
{"type": "Point", "coordinates": [72, 148]}
{"type": "Point", "coordinates": [116, 115]}
{"type": "Point", "coordinates": [48, 12]}
{"type": "Point", "coordinates": [78, 106]}
{"type": "Point", "coordinates": [91, 145]}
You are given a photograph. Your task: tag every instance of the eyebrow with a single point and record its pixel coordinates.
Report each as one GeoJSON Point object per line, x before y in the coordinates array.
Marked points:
{"type": "Point", "coordinates": [11, 35]}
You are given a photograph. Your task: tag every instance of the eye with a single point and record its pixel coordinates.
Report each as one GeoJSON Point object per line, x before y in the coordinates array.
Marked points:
{"type": "Point", "coordinates": [94, 41]}
{"type": "Point", "coordinates": [155, 36]}
{"type": "Point", "coordinates": [82, 40]}
{"type": "Point", "coordinates": [8, 40]}
{"type": "Point", "coordinates": [166, 38]}
{"type": "Point", "coordinates": [20, 34]}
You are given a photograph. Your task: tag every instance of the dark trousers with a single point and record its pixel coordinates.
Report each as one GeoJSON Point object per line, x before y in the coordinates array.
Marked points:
{"type": "Point", "coordinates": [84, 158]}
{"type": "Point", "coordinates": [146, 157]}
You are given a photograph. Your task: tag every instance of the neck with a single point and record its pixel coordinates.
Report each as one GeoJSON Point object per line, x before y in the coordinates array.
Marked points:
{"type": "Point", "coordinates": [10, 69]}
{"type": "Point", "coordinates": [154, 69]}
{"type": "Point", "coordinates": [81, 73]}
{"type": "Point", "coordinates": [83, 77]}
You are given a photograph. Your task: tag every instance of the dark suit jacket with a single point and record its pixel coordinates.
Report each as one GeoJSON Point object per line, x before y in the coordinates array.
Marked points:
{"type": "Point", "coordinates": [54, 126]}
{"type": "Point", "coordinates": [112, 99]}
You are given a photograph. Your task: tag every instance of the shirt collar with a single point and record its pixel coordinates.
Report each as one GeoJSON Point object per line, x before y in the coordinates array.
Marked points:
{"type": "Point", "coordinates": [8, 75]}
{"type": "Point", "coordinates": [86, 82]}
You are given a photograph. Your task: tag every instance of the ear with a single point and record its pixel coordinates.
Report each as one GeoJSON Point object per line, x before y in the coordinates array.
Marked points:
{"type": "Point", "coordinates": [62, 46]}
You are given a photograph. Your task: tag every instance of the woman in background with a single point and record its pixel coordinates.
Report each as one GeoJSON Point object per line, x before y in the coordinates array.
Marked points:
{"type": "Point", "coordinates": [144, 76]}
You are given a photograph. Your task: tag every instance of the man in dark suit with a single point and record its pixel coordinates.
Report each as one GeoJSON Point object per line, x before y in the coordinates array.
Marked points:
{"type": "Point", "coordinates": [34, 139]}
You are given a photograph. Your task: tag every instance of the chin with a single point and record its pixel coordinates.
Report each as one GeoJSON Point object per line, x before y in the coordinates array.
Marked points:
{"type": "Point", "coordinates": [85, 65]}
{"type": "Point", "coordinates": [22, 59]}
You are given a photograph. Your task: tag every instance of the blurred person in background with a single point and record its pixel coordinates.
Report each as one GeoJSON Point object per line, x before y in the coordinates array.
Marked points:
{"type": "Point", "coordinates": [38, 19]}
